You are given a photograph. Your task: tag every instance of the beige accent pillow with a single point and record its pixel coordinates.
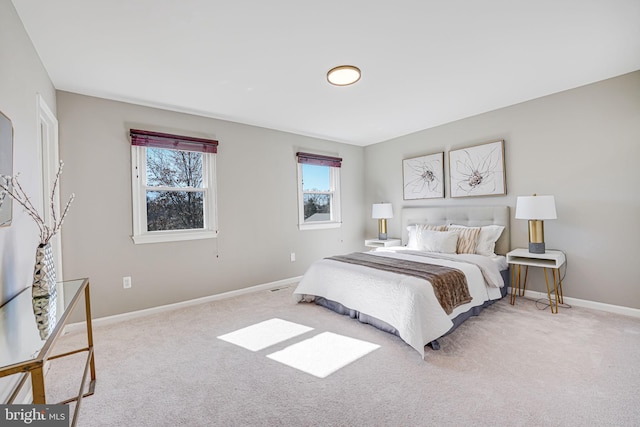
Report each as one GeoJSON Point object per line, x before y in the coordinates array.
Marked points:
{"type": "Point", "coordinates": [489, 235]}
{"type": "Point", "coordinates": [467, 238]}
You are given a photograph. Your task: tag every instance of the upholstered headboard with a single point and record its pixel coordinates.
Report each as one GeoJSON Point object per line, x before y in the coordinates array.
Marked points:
{"type": "Point", "coordinates": [473, 216]}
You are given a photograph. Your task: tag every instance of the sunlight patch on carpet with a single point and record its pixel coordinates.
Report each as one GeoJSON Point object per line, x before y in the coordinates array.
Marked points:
{"type": "Point", "coordinates": [323, 354]}
{"type": "Point", "coordinates": [265, 334]}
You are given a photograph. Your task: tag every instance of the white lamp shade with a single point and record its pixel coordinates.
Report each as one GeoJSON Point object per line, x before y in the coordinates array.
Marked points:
{"type": "Point", "coordinates": [381, 211]}
{"type": "Point", "coordinates": [536, 207]}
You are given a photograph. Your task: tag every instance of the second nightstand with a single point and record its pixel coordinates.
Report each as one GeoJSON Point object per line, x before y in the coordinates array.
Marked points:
{"type": "Point", "coordinates": [376, 243]}
{"type": "Point", "coordinates": [550, 259]}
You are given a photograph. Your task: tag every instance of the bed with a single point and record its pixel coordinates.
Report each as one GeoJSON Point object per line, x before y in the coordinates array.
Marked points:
{"type": "Point", "coordinates": [409, 305]}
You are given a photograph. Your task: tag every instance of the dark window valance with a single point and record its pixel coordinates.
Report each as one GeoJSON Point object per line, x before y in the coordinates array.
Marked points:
{"type": "Point", "coordinates": [147, 138]}
{"type": "Point", "coordinates": [319, 160]}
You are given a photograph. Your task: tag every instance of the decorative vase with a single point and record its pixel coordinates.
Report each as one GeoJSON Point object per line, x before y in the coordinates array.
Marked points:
{"type": "Point", "coordinates": [45, 310]}
{"type": "Point", "coordinates": [44, 272]}
{"type": "Point", "coordinates": [43, 290]}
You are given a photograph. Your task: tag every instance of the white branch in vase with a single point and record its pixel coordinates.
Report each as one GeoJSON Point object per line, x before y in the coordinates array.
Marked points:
{"type": "Point", "coordinates": [10, 186]}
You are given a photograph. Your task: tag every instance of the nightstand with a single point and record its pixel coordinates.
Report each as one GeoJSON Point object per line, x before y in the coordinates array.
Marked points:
{"type": "Point", "coordinates": [376, 243]}
{"type": "Point", "coordinates": [550, 259]}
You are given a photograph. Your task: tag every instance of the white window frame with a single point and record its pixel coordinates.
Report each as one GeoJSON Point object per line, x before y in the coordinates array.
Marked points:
{"type": "Point", "coordinates": [334, 191]}
{"type": "Point", "coordinates": [139, 198]}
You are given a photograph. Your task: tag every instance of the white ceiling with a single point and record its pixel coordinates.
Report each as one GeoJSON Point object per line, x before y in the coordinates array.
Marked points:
{"type": "Point", "coordinates": [424, 62]}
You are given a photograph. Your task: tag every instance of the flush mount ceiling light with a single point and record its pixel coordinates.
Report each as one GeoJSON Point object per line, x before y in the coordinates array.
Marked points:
{"type": "Point", "coordinates": [343, 75]}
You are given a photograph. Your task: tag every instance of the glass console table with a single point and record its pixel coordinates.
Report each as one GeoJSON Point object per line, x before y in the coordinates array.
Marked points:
{"type": "Point", "coordinates": [27, 339]}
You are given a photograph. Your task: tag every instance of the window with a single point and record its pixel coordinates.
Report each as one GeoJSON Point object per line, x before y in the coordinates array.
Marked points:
{"type": "Point", "coordinates": [318, 191]}
{"type": "Point", "coordinates": [173, 187]}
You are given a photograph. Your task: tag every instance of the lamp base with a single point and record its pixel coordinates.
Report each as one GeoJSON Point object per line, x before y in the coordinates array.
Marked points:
{"type": "Point", "coordinates": [536, 248]}
{"type": "Point", "coordinates": [536, 236]}
{"type": "Point", "coordinates": [382, 229]}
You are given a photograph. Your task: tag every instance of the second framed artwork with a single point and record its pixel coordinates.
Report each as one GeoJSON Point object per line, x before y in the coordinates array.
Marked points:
{"type": "Point", "coordinates": [423, 177]}
{"type": "Point", "coordinates": [478, 170]}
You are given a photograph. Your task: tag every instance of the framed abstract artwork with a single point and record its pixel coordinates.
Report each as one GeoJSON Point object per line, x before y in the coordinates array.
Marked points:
{"type": "Point", "coordinates": [423, 177]}
{"type": "Point", "coordinates": [478, 170]}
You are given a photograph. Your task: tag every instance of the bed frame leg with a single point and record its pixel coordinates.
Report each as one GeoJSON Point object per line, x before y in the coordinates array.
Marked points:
{"type": "Point", "coordinates": [435, 345]}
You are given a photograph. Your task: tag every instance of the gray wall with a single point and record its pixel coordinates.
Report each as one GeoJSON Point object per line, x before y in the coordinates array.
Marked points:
{"type": "Point", "coordinates": [22, 77]}
{"type": "Point", "coordinates": [257, 200]}
{"type": "Point", "coordinates": [583, 147]}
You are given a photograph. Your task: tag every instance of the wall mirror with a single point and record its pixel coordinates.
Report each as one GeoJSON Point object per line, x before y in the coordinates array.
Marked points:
{"type": "Point", "coordinates": [6, 166]}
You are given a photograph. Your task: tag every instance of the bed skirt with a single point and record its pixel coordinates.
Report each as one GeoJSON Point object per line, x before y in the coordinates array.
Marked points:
{"type": "Point", "coordinates": [457, 321]}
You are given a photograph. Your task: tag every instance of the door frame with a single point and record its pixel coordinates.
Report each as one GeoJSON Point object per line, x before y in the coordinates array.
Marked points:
{"type": "Point", "coordinates": [47, 124]}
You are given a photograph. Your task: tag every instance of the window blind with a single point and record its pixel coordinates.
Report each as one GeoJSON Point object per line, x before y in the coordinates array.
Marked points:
{"type": "Point", "coordinates": [319, 160]}
{"type": "Point", "coordinates": [146, 138]}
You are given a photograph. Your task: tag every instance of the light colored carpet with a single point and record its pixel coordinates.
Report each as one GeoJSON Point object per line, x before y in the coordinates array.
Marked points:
{"type": "Point", "coordinates": [511, 366]}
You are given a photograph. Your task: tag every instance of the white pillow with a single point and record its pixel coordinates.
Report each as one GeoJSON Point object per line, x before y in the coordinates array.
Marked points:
{"type": "Point", "coordinates": [412, 241]}
{"type": "Point", "coordinates": [489, 235]}
{"type": "Point", "coordinates": [437, 241]}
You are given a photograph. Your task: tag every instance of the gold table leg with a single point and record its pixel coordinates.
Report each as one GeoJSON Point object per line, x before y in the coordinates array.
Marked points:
{"type": "Point", "coordinates": [37, 384]}
{"type": "Point", "coordinates": [555, 288]}
{"type": "Point", "coordinates": [524, 285]}
{"type": "Point", "coordinates": [87, 302]}
{"type": "Point", "coordinates": [513, 285]}
{"type": "Point", "coordinates": [515, 282]}
{"type": "Point", "coordinates": [560, 287]}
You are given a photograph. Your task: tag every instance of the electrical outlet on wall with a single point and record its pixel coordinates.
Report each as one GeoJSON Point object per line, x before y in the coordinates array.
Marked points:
{"type": "Point", "coordinates": [293, 256]}
{"type": "Point", "coordinates": [126, 282]}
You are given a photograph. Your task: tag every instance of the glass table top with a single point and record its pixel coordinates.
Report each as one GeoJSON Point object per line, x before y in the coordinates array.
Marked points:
{"type": "Point", "coordinates": [27, 322]}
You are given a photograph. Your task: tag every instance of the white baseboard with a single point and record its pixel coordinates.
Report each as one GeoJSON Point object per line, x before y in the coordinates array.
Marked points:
{"type": "Point", "coordinates": [163, 308]}
{"type": "Point", "coordinates": [627, 311]}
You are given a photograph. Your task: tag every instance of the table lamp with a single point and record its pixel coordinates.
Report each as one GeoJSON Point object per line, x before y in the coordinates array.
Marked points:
{"type": "Point", "coordinates": [381, 212]}
{"type": "Point", "coordinates": [536, 209]}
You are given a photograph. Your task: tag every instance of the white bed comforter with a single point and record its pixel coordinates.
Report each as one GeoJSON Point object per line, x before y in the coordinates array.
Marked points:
{"type": "Point", "coordinates": [407, 303]}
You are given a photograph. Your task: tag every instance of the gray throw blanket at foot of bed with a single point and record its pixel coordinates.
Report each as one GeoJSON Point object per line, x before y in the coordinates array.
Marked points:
{"type": "Point", "coordinates": [449, 284]}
